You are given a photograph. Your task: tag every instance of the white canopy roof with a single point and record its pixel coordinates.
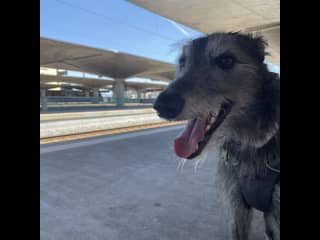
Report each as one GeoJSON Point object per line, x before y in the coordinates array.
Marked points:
{"type": "Point", "coordinates": [114, 64]}
{"type": "Point", "coordinates": [225, 15]}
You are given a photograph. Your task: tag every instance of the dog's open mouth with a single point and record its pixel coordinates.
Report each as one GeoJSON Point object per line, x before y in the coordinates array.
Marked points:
{"type": "Point", "coordinates": [193, 139]}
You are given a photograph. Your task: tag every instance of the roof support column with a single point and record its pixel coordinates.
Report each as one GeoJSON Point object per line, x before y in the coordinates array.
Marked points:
{"type": "Point", "coordinates": [43, 99]}
{"type": "Point", "coordinates": [95, 95]}
{"type": "Point", "coordinates": [119, 91]}
{"type": "Point", "coordinates": [140, 93]}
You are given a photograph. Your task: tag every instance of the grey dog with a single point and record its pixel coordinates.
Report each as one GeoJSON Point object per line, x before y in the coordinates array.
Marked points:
{"type": "Point", "coordinates": [224, 89]}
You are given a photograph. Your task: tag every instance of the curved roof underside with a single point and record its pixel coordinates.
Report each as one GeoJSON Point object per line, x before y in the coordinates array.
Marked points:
{"type": "Point", "coordinates": [219, 15]}
{"type": "Point", "coordinates": [114, 64]}
{"type": "Point", "coordinates": [49, 81]}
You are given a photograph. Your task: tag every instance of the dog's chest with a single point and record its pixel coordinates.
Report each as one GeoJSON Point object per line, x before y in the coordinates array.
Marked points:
{"type": "Point", "coordinates": [253, 172]}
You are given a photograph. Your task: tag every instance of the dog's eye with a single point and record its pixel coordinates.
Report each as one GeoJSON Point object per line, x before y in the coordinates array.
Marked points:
{"type": "Point", "coordinates": [225, 62]}
{"type": "Point", "coordinates": [182, 62]}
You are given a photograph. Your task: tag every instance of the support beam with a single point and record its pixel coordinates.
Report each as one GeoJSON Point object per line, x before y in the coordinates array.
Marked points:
{"type": "Point", "coordinates": [119, 91]}
{"type": "Point", "coordinates": [43, 99]}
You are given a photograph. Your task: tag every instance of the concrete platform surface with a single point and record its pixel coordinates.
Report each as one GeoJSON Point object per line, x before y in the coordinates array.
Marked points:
{"type": "Point", "coordinates": [47, 117]}
{"type": "Point", "coordinates": [128, 187]}
{"type": "Point", "coordinates": [52, 125]}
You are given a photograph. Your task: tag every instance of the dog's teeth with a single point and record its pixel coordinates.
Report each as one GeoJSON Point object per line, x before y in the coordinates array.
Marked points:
{"type": "Point", "coordinates": [212, 120]}
{"type": "Point", "coordinates": [207, 127]}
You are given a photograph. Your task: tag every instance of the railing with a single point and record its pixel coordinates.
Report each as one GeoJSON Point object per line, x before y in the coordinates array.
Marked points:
{"type": "Point", "coordinates": [73, 99]}
{"type": "Point", "coordinates": [59, 99]}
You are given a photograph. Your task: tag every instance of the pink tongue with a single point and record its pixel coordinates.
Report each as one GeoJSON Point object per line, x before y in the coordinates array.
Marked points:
{"type": "Point", "coordinates": [186, 143]}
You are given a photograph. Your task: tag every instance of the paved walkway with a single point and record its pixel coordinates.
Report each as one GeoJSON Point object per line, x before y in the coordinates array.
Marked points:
{"type": "Point", "coordinates": [128, 187]}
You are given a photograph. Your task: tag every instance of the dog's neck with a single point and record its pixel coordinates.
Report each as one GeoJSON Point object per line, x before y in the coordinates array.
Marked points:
{"type": "Point", "coordinates": [260, 121]}
{"type": "Point", "coordinates": [255, 134]}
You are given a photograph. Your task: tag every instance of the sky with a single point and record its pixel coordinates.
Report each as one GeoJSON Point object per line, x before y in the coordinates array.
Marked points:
{"type": "Point", "coordinates": [114, 24]}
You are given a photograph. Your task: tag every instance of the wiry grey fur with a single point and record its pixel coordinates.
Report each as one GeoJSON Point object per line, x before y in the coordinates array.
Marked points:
{"type": "Point", "coordinates": [249, 138]}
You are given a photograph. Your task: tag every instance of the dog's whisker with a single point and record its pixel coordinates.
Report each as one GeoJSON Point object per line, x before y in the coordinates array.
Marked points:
{"type": "Point", "coordinates": [196, 164]}
{"type": "Point", "coordinates": [200, 160]}
{"type": "Point", "coordinates": [181, 164]}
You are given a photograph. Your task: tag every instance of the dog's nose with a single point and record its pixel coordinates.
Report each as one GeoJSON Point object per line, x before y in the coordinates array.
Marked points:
{"type": "Point", "coordinates": [168, 104]}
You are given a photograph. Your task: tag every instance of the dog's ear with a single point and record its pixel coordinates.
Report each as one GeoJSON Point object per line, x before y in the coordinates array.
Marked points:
{"type": "Point", "coordinates": [261, 45]}
{"type": "Point", "coordinates": [254, 44]}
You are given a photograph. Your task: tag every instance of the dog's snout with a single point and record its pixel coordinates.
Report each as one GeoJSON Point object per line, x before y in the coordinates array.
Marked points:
{"type": "Point", "coordinates": [169, 104]}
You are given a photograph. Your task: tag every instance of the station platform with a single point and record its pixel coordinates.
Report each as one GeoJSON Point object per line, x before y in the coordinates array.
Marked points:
{"type": "Point", "coordinates": [62, 124]}
{"type": "Point", "coordinates": [129, 187]}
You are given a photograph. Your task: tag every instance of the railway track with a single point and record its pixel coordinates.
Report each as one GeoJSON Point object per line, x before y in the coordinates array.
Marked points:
{"type": "Point", "coordinates": [70, 137]}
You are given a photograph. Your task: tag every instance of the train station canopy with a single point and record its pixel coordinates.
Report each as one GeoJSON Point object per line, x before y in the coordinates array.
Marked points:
{"type": "Point", "coordinates": [209, 16]}
{"type": "Point", "coordinates": [109, 63]}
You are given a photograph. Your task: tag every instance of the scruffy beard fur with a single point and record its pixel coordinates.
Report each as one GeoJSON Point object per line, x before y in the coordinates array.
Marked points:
{"type": "Point", "coordinates": [251, 139]}
{"type": "Point", "coordinates": [248, 140]}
